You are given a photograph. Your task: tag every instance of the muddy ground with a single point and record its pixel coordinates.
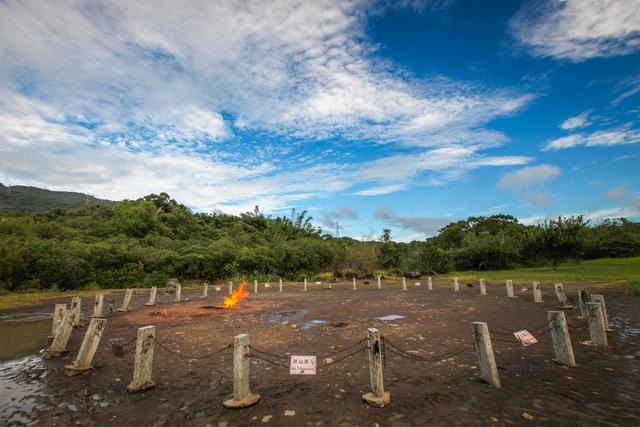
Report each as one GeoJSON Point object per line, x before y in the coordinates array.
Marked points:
{"type": "Point", "coordinates": [603, 390]}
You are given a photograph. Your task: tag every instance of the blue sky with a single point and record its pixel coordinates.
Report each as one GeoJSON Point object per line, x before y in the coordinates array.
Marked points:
{"type": "Point", "coordinates": [404, 115]}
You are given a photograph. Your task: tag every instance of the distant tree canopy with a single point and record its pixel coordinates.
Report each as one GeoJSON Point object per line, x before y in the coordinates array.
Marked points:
{"type": "Point", "coordinates": [146, 241]}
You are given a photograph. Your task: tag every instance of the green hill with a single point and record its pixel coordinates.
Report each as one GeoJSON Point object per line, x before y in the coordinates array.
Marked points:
{"type": "Point", "coordinates": [20, 198]}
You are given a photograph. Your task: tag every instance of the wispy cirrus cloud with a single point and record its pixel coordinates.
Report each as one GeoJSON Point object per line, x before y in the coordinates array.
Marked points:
{"type": "Point", "coordinates": [623, 135]}
{"type": "Point", "coordinates": [529, 182]}
{"type": "Point", "coordinates": [422, 225]}
{"type": "Point", "coordinates": [576, 122]}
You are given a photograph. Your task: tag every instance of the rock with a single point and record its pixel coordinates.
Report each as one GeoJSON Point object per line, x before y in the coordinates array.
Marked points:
{"type": "Point", "coordinates": [267, 418]}
{"type": "Point", "coordinates": [494, 419]}
{"type": "Point", "coordinates": [527, 416]}
{"type": "Point", "coordinates": [95, 397]}
{"type": "Point", "coordinates": [288, 413]}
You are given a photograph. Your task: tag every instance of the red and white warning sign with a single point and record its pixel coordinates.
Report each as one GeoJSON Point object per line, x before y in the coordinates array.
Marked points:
{"type": "Point", "coordinates": [525, 338]}
{"type": "Point", "coordinates": [302, 365]}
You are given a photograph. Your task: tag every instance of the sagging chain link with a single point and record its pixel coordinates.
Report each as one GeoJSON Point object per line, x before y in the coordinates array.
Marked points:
{"type": "Point", "coordinates": [191, 356]}
{"type": "Point", "coordinates": [395, 349]}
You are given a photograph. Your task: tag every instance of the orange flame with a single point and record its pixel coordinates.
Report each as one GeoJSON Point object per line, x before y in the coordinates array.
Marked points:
{"type": "Point", "coordinates": [236, 296]}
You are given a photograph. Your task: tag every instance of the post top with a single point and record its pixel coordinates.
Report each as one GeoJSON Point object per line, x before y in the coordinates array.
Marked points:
{"type": "Point", "coordinates": [373, 330]}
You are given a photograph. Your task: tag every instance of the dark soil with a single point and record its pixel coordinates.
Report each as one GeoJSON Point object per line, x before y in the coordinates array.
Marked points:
{"type": "Point", "coordinates": [603, 390]}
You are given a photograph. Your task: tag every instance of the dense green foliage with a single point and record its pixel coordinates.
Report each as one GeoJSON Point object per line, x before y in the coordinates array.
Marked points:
{"type": "Point", "coordinates": [144, 242]}
{"type": "Point", "coordinates": [20, 198]}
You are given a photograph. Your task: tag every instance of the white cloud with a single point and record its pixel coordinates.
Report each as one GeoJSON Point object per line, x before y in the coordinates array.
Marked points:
{"type": "Point", "coordinates": [615, 194]}
{"type": "Point", "coordinates": [578, 30]}
{"type": "Point", "coordinates": [579, 121]}
{"type": "Point", "coordinates": [623, 135]}
{"type": "Point", "coordinates": [422, 225]}
{"type": "Point", "coordinates": [528, 177]}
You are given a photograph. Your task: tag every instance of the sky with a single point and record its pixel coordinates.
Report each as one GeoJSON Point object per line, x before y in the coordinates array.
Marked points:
{"type": "Point", "coordinates": [401, 114]}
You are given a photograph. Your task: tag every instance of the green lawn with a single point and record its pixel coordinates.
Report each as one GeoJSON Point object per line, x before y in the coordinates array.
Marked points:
{"type": "Point", "coordinates": [600, 271]}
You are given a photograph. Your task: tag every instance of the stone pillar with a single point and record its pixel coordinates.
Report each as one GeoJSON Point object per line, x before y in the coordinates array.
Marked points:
{"type": "Point", "coordinates": [354, 284]}
{"type": "Point", "coordinates": [127, 300]}
{"type": "Point", "coordinates": [61, 336]}
{"type": "Point", "coordinates": [595, 317]}
{"type": "Point", "coordinates": [305, 284]}
{"type": "Point", "coordinates": [178, 292]}
{"type": "Point", "coordinates": [205, 290]}
{"type": "Point", "coordinates": [58, 314]}
{"type": "Point", "coordinates": [537, 292]}
{"type": "Point", "coordinates": [562, 296]}
{"type": "Point", "coordinates": [152, 296]}
{"type": "Point", "coordinates": [483, 287]}
{"type": "Point", "coordinates": [255, 286]}
{"type": "Point", "coordinates": [378, 397]}
{"type": "Point", "coordinates": [510, 289]}
{"type": "Point", "coordinates": [98, 305]}
{"type": "Point", "coordinates": [429, 283]}
{"type": "Point", "coordinates": [456, 285]}
{"type": "Point", "coordinates": [379, 282]}
{"type": "Point", "coordinates": [76, 303]}
{"type": "Point", "coordinates": [242, 396]}
{"type": "Point", "coordinates": [484, 352]}
{"type": "Point", "coordinates": [230, 287]}
{"type": "Point", "coordinates": [280, 285]}
{"type": "Point", "coordinates": [143, 364]}
{"type": "Point", "coordinates": [605, 317]}
{"type": "Point", "coordinates": [88, 347]}
{"type": "Point", "coordinates": [404, 283]}
{"type": "Point", "coordinates": [562, 348]}
{"type": "Point", "coordinates": [583, 299]}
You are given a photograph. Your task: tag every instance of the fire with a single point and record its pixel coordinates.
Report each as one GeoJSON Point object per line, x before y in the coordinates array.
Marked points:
{"type": "Point", "coordinates": [236, 296]}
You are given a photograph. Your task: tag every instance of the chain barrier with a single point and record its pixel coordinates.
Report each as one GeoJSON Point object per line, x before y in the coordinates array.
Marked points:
{"type": "Point", "coordinates": [255, 355]}
{"type": "Point", "coordinates": [342, 350]}
{"type": "Point", "coordinates": [395, 349]}
{"type": "Point", "coordinates": [347, 355]}
{"type": "Point", "coordinates": [119, 350]}
{"type": "Point", "coordinates": [188, 356]}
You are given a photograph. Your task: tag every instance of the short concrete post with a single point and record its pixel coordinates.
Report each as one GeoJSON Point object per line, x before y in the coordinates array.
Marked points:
{"type": "Point", "coordinates": [280, 285]}
{"type": "Point", "coordinates": [88, 347]}
{"type": "Point", "coordinates": [583, 299]}
{"type": "Point", "coordinates": [456, 285]}
{"type": "Point", "coordinates": [537, 292]}
{"type": "Point", "coordinates": [255, 286]}
{"type": "Point", "coordinates": [562, 296]}
{"type": "Point", "coordinates": [205, 290]}
{"type": "Point", "coordinates": [127, 300]}
{"type": "Point", "coordinates": [61, 336]}
{"type": "Point", "coordinates": [98, 305]}
{"type": "Point", "coordinates": [595, 318]}
{"type": "Point", "coordinates": [76, 303]}
{"type": "Point", "coordinates": [483, 287]}
{"type": "Point", "coordinates": [605, 317]}
{"type": "Point", "coordinates": [379, 282]}
{"type": "Point", "coordinates": [152, 296]}
{"type": "Point", "coordinates": [242, 396]}
{"type": "Point", "coordinates": [354, 284]}
{"type": "Point", "coordinates": [58, 314]}
{"type": "Point", "coordinates": [230, 287]}
{"type": "Point", "coordinates": [178, 292]}
{"type": "Point", "coordinates": [143, 364]}
{"type": "Point", "coordinates": [305, 284]}
{"type": "Point", "coordinates": [429, 283]}
{"type": "Point", "coordinates": [378, 397]}
{"type": "Point", "coordinates": [484, 352]}
{"type": "Point", "coordinates": [404, 283]}
{"type": "Point", "coordinates": [510, 289]}
{"type": "Point", "coordinates": [562, 348]}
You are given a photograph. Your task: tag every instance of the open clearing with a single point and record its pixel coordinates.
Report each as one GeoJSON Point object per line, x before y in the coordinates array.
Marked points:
{"type": "Point", "coordinates": [603, 389]}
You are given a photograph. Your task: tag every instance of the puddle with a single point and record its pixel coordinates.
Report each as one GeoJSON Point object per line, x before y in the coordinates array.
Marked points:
{"type": "Point", "coordinates": [312, 323]}
{"type": "Point", "coordinates": [391, 317]}
{"type": "Point", "coordinates": [21, 390]}
{"type": "Point", "coordinates": [23, 335]}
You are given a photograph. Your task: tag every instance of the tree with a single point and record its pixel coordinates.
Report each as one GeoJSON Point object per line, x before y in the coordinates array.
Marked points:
{"type": "Point", "coordinates": [557, 240]}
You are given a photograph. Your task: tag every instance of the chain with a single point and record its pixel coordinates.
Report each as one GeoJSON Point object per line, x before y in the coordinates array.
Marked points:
{"type": "Point", "coordinates": [264, 359]}
{"type": "Point", "coordinates": [265, 353]}
{"type": "Point", "coordinates": [333, 353]}
{"type": "Point", "coordinates": [204, 356]}
{"type": "Point", "coordinates": [395, 349]}
{"type": "Point", "coordinates": [347, 355]}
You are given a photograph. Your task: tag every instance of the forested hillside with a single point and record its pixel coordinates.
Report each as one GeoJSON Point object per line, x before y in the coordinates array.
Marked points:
{"type": "Point", "coordinates": [20, 198]}
{"type": "Point", "coordinates": [144, 242]}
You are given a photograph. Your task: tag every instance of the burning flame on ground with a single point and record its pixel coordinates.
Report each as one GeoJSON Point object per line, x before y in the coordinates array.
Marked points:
{"type": "Point", "coordinates": [236, 296]}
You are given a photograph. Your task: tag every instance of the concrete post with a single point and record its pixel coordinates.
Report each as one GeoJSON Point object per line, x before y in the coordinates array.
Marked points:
{"type": "Point", "coordinates": [205, 290]}
{"type": "Point", "coordinates": [280, 285]}
{"type": "Point", "coordinates": [537, 292]}
{"type": "Point", "coordinates": [305, 284]}
{"type": "Point", "coordinates": [88, 347]}
{"type": "Point", "coordinates": [98, 305]}
{"type": "Point", "coordinates": [379, 282]}
{"type": "Point", "coordinates": [354, 284]}
{"type": "Point", "coordinates": [230, 287]}
{"type": "Point", "coordinates": [429, 283]}
{"type": "Point", "coordinates": [76, 303]}
{"type": "Point", "coordinates": [152, 296]}
{"type": "Point", "coordinates": [61, 336]}
{"type": "Point", "coordinates": [127, 300]}
{"type": "Point", "coordinates": [404, 283]}
{"type": "Point", "coordinates": [178, 293]}
{"type": "Point", "coordinates": [483, 287]}
{"type": "Point", "coordinates": [255, 286]}
{"type": "Point", "coordinates": [562, 348]}
{"type": "Point", "coordinates": [378, 397]}
{"type": "Point", "coordinates": [456, 285]}
{"type": "Point", "coordinates": [484, 352]}
{"type": "Point", "coordinates": [143, 364]}
{"type": "Point", "coordinates": [58, 314]}
{"type": "Point", "coordinates": [595, 318]}
{"type": "Point", "coordinates": [605, 317]}
{"type": "Point", "coordinates": [510, 289]}
{"type": "Point", "coordinates": [583, 299]}
{"type": "Point", "coordinates": [242, 396]}
{"type": "Point", "coordinates": [562, 296]}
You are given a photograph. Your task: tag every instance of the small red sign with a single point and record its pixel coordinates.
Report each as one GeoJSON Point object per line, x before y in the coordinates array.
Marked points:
{"type": "Point", "coordinates": [525, 338]}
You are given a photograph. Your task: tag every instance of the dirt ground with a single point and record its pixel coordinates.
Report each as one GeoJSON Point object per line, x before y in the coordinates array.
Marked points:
{"type": "Point", "coordinates": [604, 389]}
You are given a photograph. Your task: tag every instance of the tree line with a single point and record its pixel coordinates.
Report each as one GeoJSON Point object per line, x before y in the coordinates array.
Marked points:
{"type": "Point", "coordinates": [146, 241]}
